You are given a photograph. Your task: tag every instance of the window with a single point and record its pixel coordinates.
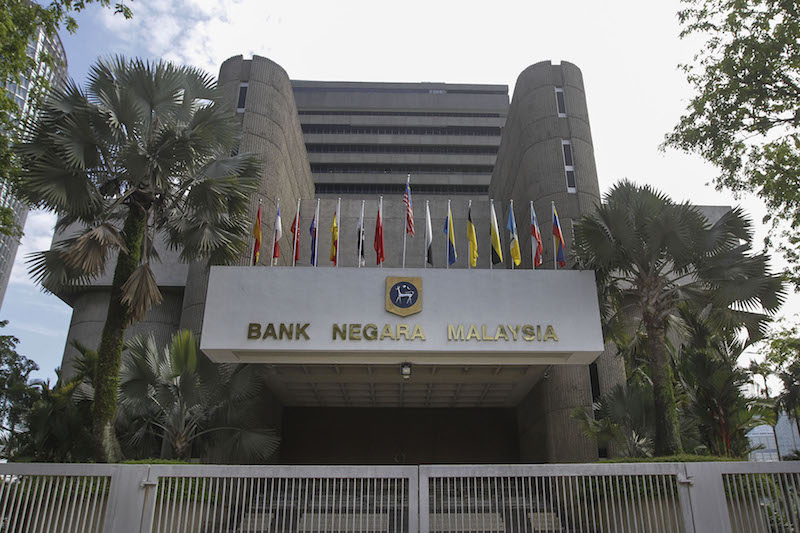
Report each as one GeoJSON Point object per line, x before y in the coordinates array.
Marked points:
{"type": "Point", "coordinates": [242, 97]}
{"type": "Point", "coordinates": [569, 165]}
{"type": "Point", "coordinates": [561, 104]}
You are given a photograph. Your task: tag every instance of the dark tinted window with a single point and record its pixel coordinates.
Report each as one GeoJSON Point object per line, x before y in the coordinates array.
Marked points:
{"type": "Point", "coordinates": [242, 97]}
{"type": "Point", "coordinates": [568, 155]}
{"type": "Point", "coordinates": [571, 179]}
{"type": "Point", "coordinates": [562, 106]}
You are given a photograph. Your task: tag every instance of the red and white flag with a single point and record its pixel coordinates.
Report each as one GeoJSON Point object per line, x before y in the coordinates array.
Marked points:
{"type": "Point", "coordinates": [409, 209]}
{"type": "Point", "coordinates": [536, 239]}
{"type": "Point", "coordinates": [296, 238]}
{"type": "Point", "coordinates": [276, 250]}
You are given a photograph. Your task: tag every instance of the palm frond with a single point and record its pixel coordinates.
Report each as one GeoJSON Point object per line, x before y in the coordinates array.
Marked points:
{"type": "Point", "coordinates": [140, 292]}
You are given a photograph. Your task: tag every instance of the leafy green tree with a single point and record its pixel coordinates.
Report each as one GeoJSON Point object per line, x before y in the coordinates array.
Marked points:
{"type": "Point", "coordinates": [652, 255]}
{"type": "Point", "coordinates": [145, 149]}
{"type": "Point", "coordinates": [16, 393]}
{"type": "Point", "coordinates": [789, 398]}
{"type": "Point", "coordinates": [744, 115]}
{"type": "Point", "coordinates": [179, 395]}
{"type": "Point", "coordinates": [20, 21]}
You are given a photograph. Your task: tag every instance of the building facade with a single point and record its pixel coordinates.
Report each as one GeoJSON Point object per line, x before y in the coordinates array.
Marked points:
{"type": "Point", "coordinates": [462, 146]}
{"type": "Point", "coordinates": [22, 93]}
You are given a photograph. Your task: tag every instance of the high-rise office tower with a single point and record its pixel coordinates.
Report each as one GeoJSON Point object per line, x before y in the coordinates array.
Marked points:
{"type": "Point", "coordinates": [23, 94]}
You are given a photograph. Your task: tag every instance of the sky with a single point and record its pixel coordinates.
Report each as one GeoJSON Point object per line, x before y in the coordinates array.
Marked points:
{"type": "Point", "coordinates": [628, 51]}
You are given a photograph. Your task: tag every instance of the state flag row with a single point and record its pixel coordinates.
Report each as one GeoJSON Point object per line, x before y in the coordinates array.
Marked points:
{"type": "Point", "coordinates": [449, 233]}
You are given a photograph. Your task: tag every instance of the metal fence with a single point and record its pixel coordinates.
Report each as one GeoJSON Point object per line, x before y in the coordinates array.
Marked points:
{"type": "Point", "coordinates": [656, 497]}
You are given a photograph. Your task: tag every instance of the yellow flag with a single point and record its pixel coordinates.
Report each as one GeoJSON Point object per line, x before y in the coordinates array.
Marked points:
{"type": "Point", "coordinates": [473, 240]}
{"type": "Point", "coordinates": [334, 238]}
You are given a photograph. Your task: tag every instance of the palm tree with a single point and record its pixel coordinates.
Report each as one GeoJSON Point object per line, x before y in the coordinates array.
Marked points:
{"type": "Point", "coordinates": [651, 254]}
{"type": "Point", "coordinates": [146, 148]}
{"type": "Point", "coordinates": [177, 394]}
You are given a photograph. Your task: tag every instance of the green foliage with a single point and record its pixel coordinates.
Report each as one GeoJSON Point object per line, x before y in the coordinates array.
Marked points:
{"type": "Point", "coordinates": [744, 116]}
{"type": "Point", "coordinates": [20, 21]}
{"type": "Point", "coordinates": [17, 395]}
{"type": "Point", "coordinates": [677, 458]}
{"type": "Point", "coordinates": [201, 409]}
{"type": "Point", "coordinates": [148, 144]}
{"type": "Point", "coordinates": [650, 256]}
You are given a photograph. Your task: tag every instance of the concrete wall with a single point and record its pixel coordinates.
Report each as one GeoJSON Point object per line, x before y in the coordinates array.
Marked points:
{"type": "Point", "coordinates": [270, 129]}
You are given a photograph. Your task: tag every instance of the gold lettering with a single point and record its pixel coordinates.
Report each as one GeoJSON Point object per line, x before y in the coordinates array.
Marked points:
{"type": "Point", "coordinates": [301, 330]}
{"type": "Point", "coordinates": [418, 334]}
{"type": "Point", "coordinates": [371, 332]}
{"type": "Point", "coordinates": [484, 337]}
{"type": "Point", "coordinates": [287, 330]}
{"type": "Point", "coordinates": [402, 329]}
{"type": "Point", "coordinates": [355, 332]}
{"type": "Point", "coordinates": [340, 330]}
{"type": "Point", "coordinates": [253, 331]}
{"type": "Point", "coordinates": [514, 331]}
{"type": "Point", "coordinates": [501, 331]}
{"type": "Point", "coordinates": [538, 332]}
{"type": "Point", "coordinates": [550, 333]}
{"type": "Point", "coordinates": [270, 332]}
{"type": "Point", "coordinates": [387, 332]}
{"type": "Point", "coordinates": [528, 333]}
{"type": "Point", "coordinates": [473, 333]}
{"type": "Point", "coordinates": [454, 334]}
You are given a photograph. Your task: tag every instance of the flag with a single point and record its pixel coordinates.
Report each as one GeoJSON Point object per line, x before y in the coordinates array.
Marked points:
{"type": "Point", "coordinates": [560, 244]}
{"type": "Point", "coordinates": [334, 237]}
{"type": "Point", "coordinates": [512, 229]}
{"type": "Point", "coordinates": [380, 256]}
{"type": "Point", "coordinates": [473, 240]}
{"type": "Point", "coordinates": [313, 231]}
{"type": "Point", "coordinates": [428, 236]}
{"type": "Point", "coordinates": [409, 209]}
{"type": "Point", "coordinates": [494, 234]}
{"type": "Point", "coordinates": [295, 229]}
{"type": "Point", "coordinates": [451, 237]}
{"type": "Point", "coordinates": [276, 251]}
{"type": "Point", "coordinates": [360, 239]}
{"type": "Point", "coordinates": [257, 235]}
{"type": "Point", "coordinates": [536, 238]}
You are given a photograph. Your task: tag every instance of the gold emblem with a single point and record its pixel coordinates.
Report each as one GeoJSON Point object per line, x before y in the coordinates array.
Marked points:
{"type": "Point", "coordinates": [403, 295]}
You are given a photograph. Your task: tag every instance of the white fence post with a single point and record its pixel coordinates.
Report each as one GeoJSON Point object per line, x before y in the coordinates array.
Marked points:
{"type": "Point", "coordinates": [126, 499]}
{"type": "Point", "coordinates": [706, 492]}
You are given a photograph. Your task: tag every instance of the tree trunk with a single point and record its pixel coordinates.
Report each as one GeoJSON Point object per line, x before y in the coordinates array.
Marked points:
{"type": "Point", "coordinates": [667, 437]}
{"type": "Point", "coordinates": [109, 354]}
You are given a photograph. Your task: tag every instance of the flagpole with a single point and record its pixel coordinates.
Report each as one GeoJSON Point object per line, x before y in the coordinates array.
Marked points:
{"type": "Point", "coordinates": [360, 236]}
{"type": "Point", "coordinates": [296, 234]}
{"type": "Point", "coordinates": [447, 242]}
{"type": "Point", "coordinates": [469, 259]}
{"type": "Point", "coordinates": [405, 221]}
{"type": "Point", "coordinates": [491, 234]}
{"type": "Point", "coordinates": [511, 207]}
{"type": "Point", "coordinates": [316, 236]}
{"type": "Point", "coordinates": [533, 251]}
{"type": "Point", "coordinates": [425, 253]}
{"type": "Point", "coordinates": [274, 232]}
{"type": "Point", "coordinates": [555, 251]}
{"type": "Point", "coordinates": [338, 232]}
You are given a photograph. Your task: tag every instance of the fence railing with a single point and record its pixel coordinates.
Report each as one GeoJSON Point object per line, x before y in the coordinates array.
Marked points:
{"type": "Point", "coordinates": [726, 497]}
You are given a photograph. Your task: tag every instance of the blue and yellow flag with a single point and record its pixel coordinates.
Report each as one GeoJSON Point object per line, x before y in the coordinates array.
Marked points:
{"type": "Point", "coordinates": [558, 239]}
{"type": "Point", "coordinates": [512, 229]}
{"type": "Point", "coordinates": [450, 235]}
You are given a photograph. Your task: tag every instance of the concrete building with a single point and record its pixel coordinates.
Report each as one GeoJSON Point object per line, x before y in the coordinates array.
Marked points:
{"type": "Point", "coordinates": [22, 94]}
{"type": "Point", "coordinates": [462, 145]}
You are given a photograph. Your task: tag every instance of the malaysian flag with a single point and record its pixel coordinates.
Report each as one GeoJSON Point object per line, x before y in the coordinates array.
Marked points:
{"type": "Point", "coordinates": [409, 208]}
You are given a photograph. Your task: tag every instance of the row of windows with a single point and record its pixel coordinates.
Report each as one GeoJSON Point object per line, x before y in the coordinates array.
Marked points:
{"type": "Point", "coordinates": [398, 149]}
{"type": "Point", "coordinates": [350, 168]}
{"type": "Point", "coordinates": [398, 188]}
{"type": "Point", "coordinates": [400, 130]}
{"type": "Point", "coordinates": [399, 114]}
{"type": "Point", "coordinates": [569, 165]}
{"type": "Point", "coordinates": [420, 90]}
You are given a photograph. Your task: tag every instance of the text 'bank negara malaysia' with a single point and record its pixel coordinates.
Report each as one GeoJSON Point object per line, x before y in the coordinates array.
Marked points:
{"type": "Point", "coordinates": [449, 323]}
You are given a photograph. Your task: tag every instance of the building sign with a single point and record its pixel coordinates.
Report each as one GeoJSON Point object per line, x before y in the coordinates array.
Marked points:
{"type": "Point", "coordinates": [376, 316]}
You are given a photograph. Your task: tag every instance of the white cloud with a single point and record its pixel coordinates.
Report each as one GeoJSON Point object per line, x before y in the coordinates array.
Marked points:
{"type": "Point", "coordinates": [38, 236]}
{"type": "Point", "coordinates": [39, 330]}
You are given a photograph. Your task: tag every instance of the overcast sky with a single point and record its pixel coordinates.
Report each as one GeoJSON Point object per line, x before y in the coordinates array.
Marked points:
{"type": "Point", "coordinates": [629, 53]}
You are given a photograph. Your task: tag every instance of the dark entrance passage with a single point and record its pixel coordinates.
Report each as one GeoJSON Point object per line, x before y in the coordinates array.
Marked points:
{"type": "Point", "coordinates": [319, 435]}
